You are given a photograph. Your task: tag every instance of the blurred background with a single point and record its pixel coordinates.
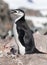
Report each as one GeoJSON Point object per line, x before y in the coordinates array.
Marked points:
{"type": "Point", "coordinates": [31, 4]}
{"type": "Point", "coordinates": [35, 13]}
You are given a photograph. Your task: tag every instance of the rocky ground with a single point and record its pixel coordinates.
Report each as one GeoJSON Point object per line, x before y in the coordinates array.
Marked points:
{"type": "Point", "coordinates": [35, 59]}
{"type": "Point", "coordinates": [32, 59]}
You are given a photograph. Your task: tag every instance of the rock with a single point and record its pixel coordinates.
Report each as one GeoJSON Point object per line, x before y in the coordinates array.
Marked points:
{"type": "Point", "coordinates": [40, 42]}
{"type": "Point", "coordinates": [5, 19]}
{"type": "Point", "coordinates": [1, 54]}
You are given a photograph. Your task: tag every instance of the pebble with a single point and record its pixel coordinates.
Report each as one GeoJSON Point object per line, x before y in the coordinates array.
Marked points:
{"type": "Point", "coordinates": [1, 54]}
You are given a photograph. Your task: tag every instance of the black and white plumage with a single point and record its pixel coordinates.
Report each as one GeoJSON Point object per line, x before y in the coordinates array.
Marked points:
{"type": "Point", "coordinates": [23, 35]}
